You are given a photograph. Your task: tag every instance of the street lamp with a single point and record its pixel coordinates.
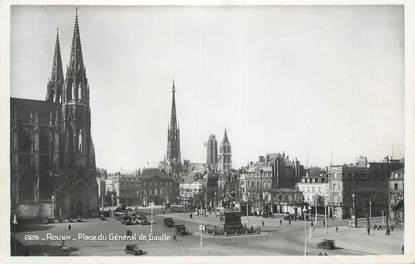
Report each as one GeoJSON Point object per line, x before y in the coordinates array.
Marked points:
{"type": "Point", "coordinates": [316, 204]}
{"type": "Point", "coordinates": [151, 226]}
{"type": "Point", "coordinates": [305, 230]}
{"type": "Point", "coordinates": [309, 209]}
{"type": "Point", "coordinates": [353, 211]}
{"type": "Point", "coordinates": [325, 214]}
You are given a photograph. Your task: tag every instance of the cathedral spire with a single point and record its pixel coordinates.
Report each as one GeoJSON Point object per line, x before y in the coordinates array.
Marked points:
{"type": "Point", "coordinates": [225, 138]}
{"type": "Point", "coordinates": [76, 88]}
{"type": "Point", "coordinates": [54, 88]}
{"type": "Point", "coordinates": [173, 121]}
{"type": "Point", "coordinates": [76, 51]}
{"type": "Point", "coordinates": [173, 137]}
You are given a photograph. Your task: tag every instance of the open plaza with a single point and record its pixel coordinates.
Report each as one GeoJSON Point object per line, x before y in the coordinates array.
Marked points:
{"type": "Point", "coordinates": [94, 237]}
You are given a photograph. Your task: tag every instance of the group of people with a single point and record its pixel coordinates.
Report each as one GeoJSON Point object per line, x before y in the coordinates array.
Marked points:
{"type": "Point", "coordinates": [129, 232]}
{"type": "Point", "coordinates": [321, 254]}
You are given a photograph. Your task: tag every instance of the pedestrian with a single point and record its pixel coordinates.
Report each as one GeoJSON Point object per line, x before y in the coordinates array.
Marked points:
{"type": "Point", "coordinates": [402, 250]}
{"type": "Point", "coordinates": [69, 227]}
{"type": "Point", "coordinates": [174, 237]}
{"type": "Point", "coordinates": [280, 222]}
{"type": "Point", "coordinates": [289, 222]}
{"type": "Point", "coordinates": [252, 228]}
{"type": "Point", "coordinates": [191, 215]}
{"type": "Point", "coordinates": [312, 224]}
{"type": "Point", "coordinates": [337, 229]}
{"type": "Point", "coordinates": [325, 254]}
{"type": "Point", "coordinates": [368, 230]}
{"type": "Point", "coordinates": [392, 228]}
{"type": "Point", "coordinates": [263, 224]}
{"type": "Point", "coordinates": [320, 254]}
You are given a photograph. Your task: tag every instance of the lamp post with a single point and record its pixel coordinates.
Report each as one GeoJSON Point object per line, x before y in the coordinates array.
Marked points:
{"type": "Point", "coordinates": [353, 211]}
{"type": "Point", "coordinates": [325, 215]}
{"type": "Point", "coordinates": [316, 203]}
{"type": "Point", "coordinates": [151, 223]}
{"type": "Point", "coordinates": [305, 231]}
{"type": "Point", "coordinates": [309, 210]}
{"type": "Point", "coordinates": [370, 209]}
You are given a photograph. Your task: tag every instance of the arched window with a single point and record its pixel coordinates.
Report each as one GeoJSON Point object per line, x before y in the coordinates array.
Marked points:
{"type": "Point", "coordinates": [44, 142]}
{"type": "Point", "coordinates": [26, 188]}
{"type": "Point", "coordinates": [25, 141]}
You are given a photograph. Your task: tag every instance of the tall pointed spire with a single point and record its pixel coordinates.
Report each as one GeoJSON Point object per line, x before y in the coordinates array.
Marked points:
{"type": "Point", "coordinates": [55, 84]}
{"type": "Point", "coordinates": [225, 138]}
{"type": "Point", "coordinates": [173, 137]}
{"type": "Point", "coordinates": [76, 51]}
{"type": "Point", "coordinates": [173, 121]}
{"type": "Point", "coordinates": [76, 88]}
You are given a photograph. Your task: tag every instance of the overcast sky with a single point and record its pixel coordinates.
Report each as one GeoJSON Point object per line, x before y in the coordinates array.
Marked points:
{"type": "Point", "coordinates": [303, 80]}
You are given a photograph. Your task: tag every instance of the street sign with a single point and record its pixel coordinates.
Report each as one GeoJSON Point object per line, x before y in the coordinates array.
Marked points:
{"type": "Point", "coordinates": [202, 227]}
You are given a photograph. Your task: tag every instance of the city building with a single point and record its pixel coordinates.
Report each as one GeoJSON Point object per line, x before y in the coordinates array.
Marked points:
{"type": "Point", "coordinates": [364, 189]}
{"type": "Point", "coordinates": [396, 195]}
{"type": "Point", "coordinates": [243, 195]}
{"type": "Point", "coordinates": [225, 154]}
{"type": "Point", "coordinates": [315, 189]}
{"type": "Point", "coordinates": [270, 183]}
{"type": "Point", "coordinates": [112, 189]}
{"type": "Point", "coordinates": [155, 185]}
{"type": "Point", "coordinates": [128, 190]}
{"type": "Point", "coordinates": [53, 171]}
{"type": "Point", "coordinates": [173, 139]}
{"type": "Point", "coordinates": [212, 153]}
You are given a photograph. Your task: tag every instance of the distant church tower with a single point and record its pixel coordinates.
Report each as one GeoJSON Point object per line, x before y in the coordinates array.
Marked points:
{"type": "Point", "coordinates": [212, 153]}
{"type": "Point", "coordinates": [173, 138]}
{"type": "Point", "coordinates": [225, 161]}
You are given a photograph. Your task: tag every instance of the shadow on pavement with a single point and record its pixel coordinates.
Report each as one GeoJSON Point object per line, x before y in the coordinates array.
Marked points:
{"type": "Point", "coordinates": [18, 249]}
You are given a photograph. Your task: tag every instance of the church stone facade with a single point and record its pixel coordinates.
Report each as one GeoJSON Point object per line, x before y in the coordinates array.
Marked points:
{"type": "Point", "coordinates": [53, 172]}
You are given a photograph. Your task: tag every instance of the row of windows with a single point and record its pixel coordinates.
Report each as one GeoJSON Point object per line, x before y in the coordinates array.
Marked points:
{"type": "Point", "coordinates": [310, 189]}
{"type": "Point", "coordinates": [265, 185]}
{"type": "Point", "coordinates": [150, 184]}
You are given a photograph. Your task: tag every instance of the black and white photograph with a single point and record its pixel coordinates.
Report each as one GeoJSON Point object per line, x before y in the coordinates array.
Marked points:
{"type": "Point", "coordinates": [208, 130]}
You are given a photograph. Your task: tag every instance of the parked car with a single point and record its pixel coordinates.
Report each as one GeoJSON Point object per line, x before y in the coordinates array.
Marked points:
{"type": "Point", "coordinates": [78, 219]}
{"type": "Point", "coordinates": [168, 222]}
{"type": "Point", "coordinates": [133, 250]}
{"type": "Point", "coordinates": [181, 230]}
{"type": "Point", "coordinates": [142, 220]}
{"type": "Point", "coordinates": [327, 244]}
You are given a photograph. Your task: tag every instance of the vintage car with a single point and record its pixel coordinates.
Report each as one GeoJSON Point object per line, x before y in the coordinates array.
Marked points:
{"type": "Point", "coordinates": [168, 222]}
{"type": "Point", "coordinates": [327, 244]}
{"type": "Point", "coordinates": [142, 220]}
{"type": "Point", "coordinates": [181, 230]}
{"type": "Point", "coordinates": [133, 250]}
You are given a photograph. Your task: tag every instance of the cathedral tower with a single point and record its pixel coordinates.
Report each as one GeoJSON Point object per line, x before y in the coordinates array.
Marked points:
{"type": "Point", "coordinates": [79, 171]}
{"type": "Point", "coordinates": [225, 161]}
{"type": "Point", "coordinates": [212, 153]}
{"type": "Point", "coordinates": [78, 148]}
{"type": "Point", "coordinates": [173, 138]}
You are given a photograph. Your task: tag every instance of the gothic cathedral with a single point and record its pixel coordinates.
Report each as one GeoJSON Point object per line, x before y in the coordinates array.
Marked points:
{"type": "Point", "coordinates": [53, 172]}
